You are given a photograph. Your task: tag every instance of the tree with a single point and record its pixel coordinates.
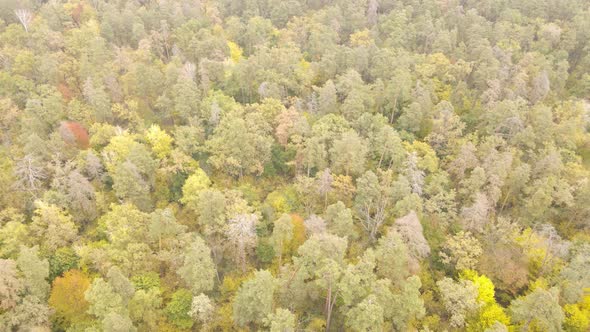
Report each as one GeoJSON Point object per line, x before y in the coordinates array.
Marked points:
{"type": "Point", "coordinates": [160, 141]}
{"type": "Point", "coordinates": [410, 229]}
{"type": "Point", "coordinates": [103, 299]}
{"type": "Point", "coordinates": [193, 186]}
{"type": "Point", "coordinates": [30, 314]}
{"type": "Point", "coordinates": [253, 301]}
{"type": "Point", "coordinates": [35, 272]}
{"type": "Point", "coordinates": [490, 312]}
{"type": "Point", "coordinates": [291, 127]}
{"type": "Point", "coordinates": [538, 310]}
{"type": "Point", "coordinates": [475, 216]}
{"type": "Point", "coordinates": [78, 193]}
{"type": "Point", "coordinates": [314, 225]}
{"type": "Point", "coordinates": [29, 174]}
{"type": "Point", "coordinates": [179, 307]}
{"type": "Point", "coordinates": [407, 304]}
{"type": "Point", "coordinates": [130, 185]}
{"type": "Point", "coordinates": [392, 257]}
{"type": "Point", "coordinates": [126, 229]}
{"type": "Point", "coordinates": [282, 234]}
{"type": "Point", "coordinates": [198, 270]}
{"type": "Point", "coordinates": [314, 154]}
{"type": "Point", "coordinates": [185, 96]}
{"type": "Point", "coordinates": [348, 154]}
{"type": "Point", "coordinates": [387, 147]}
{"type": "Point", "coordinates": [67, 296]}
{"type": "Point", "coordinates": [132, 169]}
{"type": "Point", "coordinates": [576, 316]}
{"type": "Point", "coordinates": [56, 228]}
{"type": "Point", "coordinates": [324, 183]}
{"type": "Point", "coordinates": [95, 95]}
{"type": "Point", "coordinates": [372, 199]}
{"type": "Point", "coordinates": [356, 280]}
{"type": "Point", "coordinates": [282, 320]}
{"type": "Point", "coordinates": [462, 251]}
{"type": "Point", "coordinates": [459, 299]}
{"type": "Point", "coordinates": [10, 284]}
{"type": "Point", "coordinates": [25, 17]}
{"type": "Point", "coordinates": [414, 174]}
{"type": "Point", "coordinates": [239, 145]}
{"type": "Point", "coordinates": [202, 309]}
{"type": "Point", "coordinates": [372, 14]}
{"type": "Point", "coordinates": [366, 316]}
{"type": "Point", "coordinates": [164, 228]}
{"type": "Point", "coordinates": [320, 261]}
{"type": "Point", "coordinates": [575, 277]}
{"type": "Point", "coordinates": [339, 220]}
{"type": "Point", "coordinates": [120, 284]}
{"type": "Point", "coordinates": [241, 233]}
{"type": "Point", "coordinates": [327, 98]}
{"type": "Point", "coordinates": [116, 322]}
{"type": "Point", "coordinates": [145, 308]}
{"type": "Point", "coordinates": [13, 234]}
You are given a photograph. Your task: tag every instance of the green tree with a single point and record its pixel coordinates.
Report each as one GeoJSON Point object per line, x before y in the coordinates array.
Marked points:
{"type": "Point", "coordinates": [366, 316]}
{"type": "Point", "coordinates": [103, 299]}
{"type": "Point", "coordinates": [459, 299]}
{"type": "Point", "coordinates": [120, 284]}
{"type": "Point", "coordinates": [35, 272]}
{"type": "Point", "coordinates": [253, 301]}
{"type": "Point", "coordinates": [327, 98]}
{"type": "Point", "coordinates": [145, 308]}
{"type": "Point", "coordinates": [339, 220]}
{"type": "Point", "coordinates": [54, 226]}
{"type": "Point", "coordinates": [392, 257]}
{"type": "Point", "coordinates": [373, 197]}
{"type": "Point", "coordinates": [282, 234]}
{"type": "Point", "coordinates": [538, 310]}
{"type": "Point", "coordinates": [240, 145]}
{"type": "Point", "coordinates": [115, 322]}
{"type": "Point", "coordinates": [63, 260]}
{"type": "Point", "coordinates": [349, 153]}
{"type": "Point", "coordinates": [282, 320]}
{"type": "Point", "coordinates": [177, 310]}
{"type": "Point", "coordinates": [198, 270]}
{"type": "Point", "coordinates": [408, 304]}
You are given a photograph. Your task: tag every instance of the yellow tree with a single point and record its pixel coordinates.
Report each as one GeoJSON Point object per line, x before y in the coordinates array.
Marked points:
{"type": "Point", "coordinates": [67, 297]}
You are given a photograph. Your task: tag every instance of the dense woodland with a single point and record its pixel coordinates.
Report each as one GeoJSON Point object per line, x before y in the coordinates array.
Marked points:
{"type": "Point", "coordinates": [295, 165]}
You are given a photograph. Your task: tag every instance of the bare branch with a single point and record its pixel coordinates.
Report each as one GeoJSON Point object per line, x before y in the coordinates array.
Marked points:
{"type": "Point", "coordinates": [25, 17]}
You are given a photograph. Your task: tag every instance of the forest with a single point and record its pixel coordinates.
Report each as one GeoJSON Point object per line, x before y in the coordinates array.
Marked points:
{"type": "Point", "coordinates": [294, 165]}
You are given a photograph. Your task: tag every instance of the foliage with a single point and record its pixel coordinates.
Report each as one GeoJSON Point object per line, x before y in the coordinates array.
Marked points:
{"type": "Point", "coordinates": [293, 165]}
{"type": "Point", "coordinates": [67, 296]}
{"type": "Point", "coordinates": [177, 310]}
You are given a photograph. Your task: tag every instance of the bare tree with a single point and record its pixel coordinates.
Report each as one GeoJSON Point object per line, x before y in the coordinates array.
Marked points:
{"type": "Point", "coordinates": [314, 225]}
{"type": "Point", "coordinates": [372, 14]}
{"type": "Point", "coordinates": [410, 229]}
{"type": "Point", "coordinates": [414, 174]}
{"type": "Point", "coordinates": [29, 174]}
{"type": "Point", "coordinates": [475, 217]}
{"type": "Point", "coordinates": [372, 200]}
{"type": "Point", "coordinates": [189, 71]}
{"type": "Point", "coordinates": [25, 17]}
{"type": "Point", "coordinates": [325, 184]}
{"type": "Point", "coordinates": [241, 233]}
